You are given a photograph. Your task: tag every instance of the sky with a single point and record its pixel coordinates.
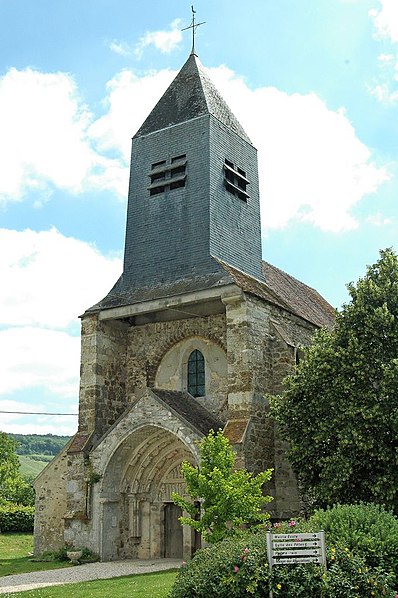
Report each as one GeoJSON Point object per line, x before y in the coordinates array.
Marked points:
{"type": "Point", "coordinates": [313, 82]}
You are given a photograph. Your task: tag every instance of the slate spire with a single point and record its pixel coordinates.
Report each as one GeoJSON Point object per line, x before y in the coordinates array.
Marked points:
{"type": "Point", "coordinates": [193, 203]}
{"type": "Point", "coordinates": [190, 95]}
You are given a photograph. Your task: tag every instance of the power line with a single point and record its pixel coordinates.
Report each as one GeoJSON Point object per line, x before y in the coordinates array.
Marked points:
{"type": "Point", "coordinates": [36, 413]}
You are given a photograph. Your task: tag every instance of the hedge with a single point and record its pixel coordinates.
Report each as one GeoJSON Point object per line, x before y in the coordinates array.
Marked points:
{"type": "Point", "coordinates": [16, 518]}
{"type": "Point", "coordinates": [362, 556]}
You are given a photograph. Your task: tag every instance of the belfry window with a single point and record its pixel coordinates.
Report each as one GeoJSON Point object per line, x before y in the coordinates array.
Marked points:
{"type": "Point", "coordinates": [166, 175]}
{"type": "Point", "coordinates": [235, 180]}
{"type": "Point", "coordinates": [196, 374]}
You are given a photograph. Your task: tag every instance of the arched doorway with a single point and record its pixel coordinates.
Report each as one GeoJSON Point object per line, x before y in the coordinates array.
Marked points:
{"type": "Point", "coordinates": [139, 519]}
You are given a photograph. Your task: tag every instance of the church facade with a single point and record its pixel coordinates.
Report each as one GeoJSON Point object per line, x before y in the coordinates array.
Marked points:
{"type": "Point", "coordinates": [194, 335]}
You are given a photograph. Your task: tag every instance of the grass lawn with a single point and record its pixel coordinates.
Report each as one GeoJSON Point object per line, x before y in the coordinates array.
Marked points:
{"type": "Point", "coordinates": [32, 467]}
{"type": "Point", "coordinates": [14, 558]}
{"type": "Point", "coordinates": [14, 555]}
{"type": "Point", "coordinates": [150, 585]}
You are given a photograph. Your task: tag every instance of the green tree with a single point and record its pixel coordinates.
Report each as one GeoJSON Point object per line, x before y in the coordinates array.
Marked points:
{"type": "Point", "coordinates": [12, 486]}
{"type": "Point", "coordinates": [228, 498]}
{"type": "Point", "coordinates": [340, 410]}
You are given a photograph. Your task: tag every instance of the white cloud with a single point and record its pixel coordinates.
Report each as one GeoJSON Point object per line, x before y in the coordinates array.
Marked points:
{"type": "Point", "coordinates": [386, 59]}
{"type": "Point", "coordinates": [384, 94]}
{"type": "Point", "coordinates": [164, 41]}
{"type": "Point", "coordinates": [38, 357]}
{"type": "Point", "coordinates": [38, 424]}
{"type": "Point", "coordinates": [379, 219]}
{"type": "Point", "coordinates": [386, 19]}
{"type": "Point", "coordinates": [121, 48]}
{"type": "Point", "coordinates": [313, 167]}
{"type": "Point", "coordinates": [49, 279]}
{"type": "Point", "coordinates": [130, 99]}
{"type": "Point", "coordinates": [44, 141]}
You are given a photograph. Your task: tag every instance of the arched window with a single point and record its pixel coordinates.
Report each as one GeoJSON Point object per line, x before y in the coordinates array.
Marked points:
{"type": "Point", "coordinates": [196, 374]}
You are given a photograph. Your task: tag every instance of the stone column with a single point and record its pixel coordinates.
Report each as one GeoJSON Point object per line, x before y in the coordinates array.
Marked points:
{"type": "Point", "coordinates": [145, 544]}
{"type": "Point", "coordinates": [102, 378]}
{"type": "Point", "coordinates": [240, 379]}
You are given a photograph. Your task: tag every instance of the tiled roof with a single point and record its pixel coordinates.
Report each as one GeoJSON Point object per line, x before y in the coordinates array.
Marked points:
{"type": "Point", "coordinates": [235, 430]}
{"type": "Point", "coordinates": [190, 95]}
{"type": "Point", "coordinates": [189, 409]}
{"type": "Point", "coordinates": [287, 292]}
{"type": "Point", "coordinates": [302, 299]}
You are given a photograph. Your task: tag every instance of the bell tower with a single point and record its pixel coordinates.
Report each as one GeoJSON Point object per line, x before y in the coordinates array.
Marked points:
{"type": "Point", "coordinates": [193, 201]}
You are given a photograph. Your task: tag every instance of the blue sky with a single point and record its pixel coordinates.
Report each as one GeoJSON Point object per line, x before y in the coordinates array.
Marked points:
{"type": "Point", "coordinates": [315, 85]}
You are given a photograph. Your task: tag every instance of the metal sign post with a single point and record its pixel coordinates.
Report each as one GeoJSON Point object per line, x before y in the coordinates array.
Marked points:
{"type": "Point", "coordinates": [293, 549]}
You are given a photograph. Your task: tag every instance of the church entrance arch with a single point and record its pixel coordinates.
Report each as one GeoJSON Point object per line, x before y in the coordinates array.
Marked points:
{"type": "Point", "coordinates": [139, 519]}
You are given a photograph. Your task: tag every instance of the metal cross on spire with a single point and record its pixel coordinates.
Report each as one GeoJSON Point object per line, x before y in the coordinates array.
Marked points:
{"type": "Point", "coordinates": [193, 26]}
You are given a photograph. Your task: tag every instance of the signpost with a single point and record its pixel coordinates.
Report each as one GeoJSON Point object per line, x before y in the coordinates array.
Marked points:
{"type": "Point", "coordinates": [293, 549]}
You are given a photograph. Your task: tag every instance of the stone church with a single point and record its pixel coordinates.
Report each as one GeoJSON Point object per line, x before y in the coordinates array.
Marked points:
{"type": "Point", "coordinates": [192, 337]}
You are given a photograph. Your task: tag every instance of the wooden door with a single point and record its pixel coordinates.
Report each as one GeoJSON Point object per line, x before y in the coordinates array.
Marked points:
{"type": "Point", "coordinates": [172, 532]}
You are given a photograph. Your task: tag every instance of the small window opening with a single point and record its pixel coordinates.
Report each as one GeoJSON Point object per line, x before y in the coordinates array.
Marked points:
{"type": "Point", "coordinates": [196, 374]}
{"type": "Point", "coordinates": [157, 190]}
{"type": "Point", "coordinates": [165, 177]}
{"type": "Point", "coordinates": [178, 158]}
{"type": "Point", "coordinates": [235, 180]}
{"type": "Point", "coordinates": [157, 164]}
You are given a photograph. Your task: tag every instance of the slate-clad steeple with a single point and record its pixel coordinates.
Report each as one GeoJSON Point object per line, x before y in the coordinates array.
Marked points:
{"type": "Point", "coordinates": [190, 95]}
{"type": "Point", "coordinates": [193, 196]}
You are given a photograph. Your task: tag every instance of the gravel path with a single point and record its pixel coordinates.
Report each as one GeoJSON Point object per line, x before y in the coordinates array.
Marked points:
{"type": "Point", "coordinates": [40, 579]}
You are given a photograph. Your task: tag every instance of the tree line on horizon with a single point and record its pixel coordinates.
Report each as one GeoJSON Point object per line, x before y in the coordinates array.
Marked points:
{"type": "Point", "coordinates": [39, 444]}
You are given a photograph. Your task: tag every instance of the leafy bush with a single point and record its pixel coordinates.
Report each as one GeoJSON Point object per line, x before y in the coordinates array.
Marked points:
{"type": "Point", "coordinates": [16, 518]}
{"type": "Point", "coordinates": [231, 568]}
{"type": "Point", "coordinates": [364, 529]}
{"type": "Point", "coordinates": [349, 575]}
{"type": "Point", "coordinates": [238, 566]}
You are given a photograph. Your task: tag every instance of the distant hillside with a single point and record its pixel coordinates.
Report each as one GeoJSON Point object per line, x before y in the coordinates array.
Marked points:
{"type": "Point", "coordinates": [35, 451]}
{"type": "Point", "coordinates": [37, 444]}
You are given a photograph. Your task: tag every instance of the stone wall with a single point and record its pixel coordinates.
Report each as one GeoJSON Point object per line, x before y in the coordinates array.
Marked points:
{"type": "Point", "coordinates": [103, 374]}
{"type": "Point", "coordinates": [262, 340]}
{"type": "Point", "coordinates": [248, 352]}
{"type": "Point", "coordinates": [50, 487]}
{"type": "Point", "coordinates": [148, 345]}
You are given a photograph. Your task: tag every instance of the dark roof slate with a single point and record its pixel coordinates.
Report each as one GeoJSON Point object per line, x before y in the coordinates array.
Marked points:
{"type": "Point", "coordinates": [279, 289]}
{"type": "Point", "coordinates": [120, 295]}
{"type": "Point", "coordinates": [189, 409]}
{"type": "Point", "coordinates": [191, 94]}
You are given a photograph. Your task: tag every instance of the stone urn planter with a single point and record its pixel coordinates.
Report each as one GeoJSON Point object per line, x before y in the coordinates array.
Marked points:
{"type": "Point", "coordinates": [74, 556]}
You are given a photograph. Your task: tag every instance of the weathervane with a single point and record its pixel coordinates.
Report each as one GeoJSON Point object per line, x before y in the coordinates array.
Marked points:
{"type": "Point", "coordinates": [193, 26]}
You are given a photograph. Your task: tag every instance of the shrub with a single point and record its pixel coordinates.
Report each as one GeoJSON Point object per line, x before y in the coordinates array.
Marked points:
{"type": "Point", "coordinates": [349, 575]}
{"type": "Point", "coordinates": [16, 518]}
{"type": "Point", "coordinates": [364, 529]}
{"type": "Point", "coordinates": [232, 568]}
{"type": "Point", "coordinates": [238, 566]}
